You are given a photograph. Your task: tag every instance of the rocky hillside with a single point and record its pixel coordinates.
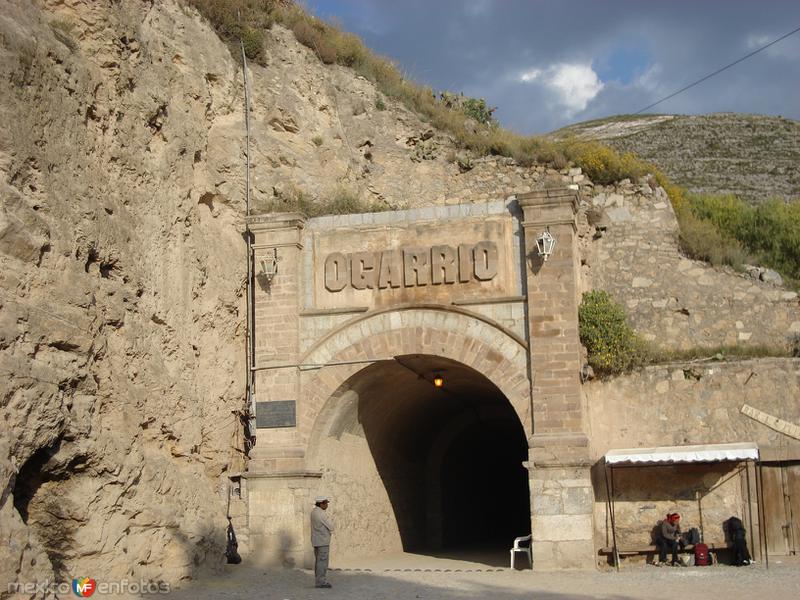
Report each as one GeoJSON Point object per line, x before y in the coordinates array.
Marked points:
{"type": "Point", "coordinates": [753, 157]}
{"type": "Point", "coordinates": [122, 264]}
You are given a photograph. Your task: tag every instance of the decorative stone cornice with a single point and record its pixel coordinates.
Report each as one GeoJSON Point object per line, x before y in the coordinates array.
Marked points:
{"type": "Point", "coordinates": [271, 221]}
{"type": "Point", "coordinates": [549, 197]}
{"type": "Point", "coordinates": [554, 206]}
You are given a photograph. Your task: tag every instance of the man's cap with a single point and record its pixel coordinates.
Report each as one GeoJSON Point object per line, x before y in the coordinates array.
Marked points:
{"type": "Point", "coordinates": [319, 499]}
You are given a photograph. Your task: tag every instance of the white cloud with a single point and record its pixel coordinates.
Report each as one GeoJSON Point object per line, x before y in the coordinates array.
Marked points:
{"type": "Point", "coordinates": [650, 79]}
{"type": "Point", "coordinates": [786, 48]}
{"type": "Point", "coordinates": [575, 85]}
{"type": "Point", "coordinates": [530, 75]}
{"type": "Point", "coordinates": [477, 8]}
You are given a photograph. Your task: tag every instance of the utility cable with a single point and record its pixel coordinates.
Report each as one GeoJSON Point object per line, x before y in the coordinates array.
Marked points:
{"type": "Point", "coordinates": [718, 71]}
{"type": "Point", "coordinates": [250, 346]}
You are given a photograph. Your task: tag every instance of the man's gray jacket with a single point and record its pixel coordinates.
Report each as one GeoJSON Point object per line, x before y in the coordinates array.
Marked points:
{"type": "Point", "coordinates": [321, 528]}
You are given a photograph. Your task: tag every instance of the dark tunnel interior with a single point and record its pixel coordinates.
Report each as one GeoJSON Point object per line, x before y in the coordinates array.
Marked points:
{"type": "Point", "coordinates": [450, 458]}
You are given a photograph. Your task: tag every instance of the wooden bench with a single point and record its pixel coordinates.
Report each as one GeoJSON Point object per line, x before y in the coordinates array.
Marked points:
{"type": "Point", "coordinates": [652, 549]}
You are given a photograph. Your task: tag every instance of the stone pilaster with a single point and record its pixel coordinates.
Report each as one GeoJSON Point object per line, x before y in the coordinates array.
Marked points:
{"type": "Point", "coordinates": [279, 488]}
{"type": "Point", "coordinates": [561, 489]}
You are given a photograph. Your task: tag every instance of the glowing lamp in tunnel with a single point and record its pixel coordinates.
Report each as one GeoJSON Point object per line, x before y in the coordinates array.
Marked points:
{"type": "Point", "coordinates": [438, 380]}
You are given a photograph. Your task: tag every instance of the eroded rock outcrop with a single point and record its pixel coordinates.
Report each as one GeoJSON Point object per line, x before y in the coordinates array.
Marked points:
{"type": "Point", "coordinates": [122, 264]}
{"type": "Point", "coordinates": [122, 290]}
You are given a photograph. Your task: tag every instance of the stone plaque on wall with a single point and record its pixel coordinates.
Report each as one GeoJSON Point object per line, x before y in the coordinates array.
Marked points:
{"type": "Point", "coordinates": [278, 413]}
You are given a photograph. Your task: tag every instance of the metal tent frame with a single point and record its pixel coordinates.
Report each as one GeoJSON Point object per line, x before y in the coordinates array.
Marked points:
{"type": "Point", "coordinates": [677, 455]}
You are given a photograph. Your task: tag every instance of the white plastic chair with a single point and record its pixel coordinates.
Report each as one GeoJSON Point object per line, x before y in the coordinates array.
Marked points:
{"type": "Point", "coordinates": [528, 550]}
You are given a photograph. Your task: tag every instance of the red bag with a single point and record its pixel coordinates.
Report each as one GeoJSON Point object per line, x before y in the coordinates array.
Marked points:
{"type": "Point", "coordinates": [701, 557]}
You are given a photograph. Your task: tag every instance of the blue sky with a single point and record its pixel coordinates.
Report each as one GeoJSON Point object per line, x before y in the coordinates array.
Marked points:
{"type": "Point", "coordinates": [546, 64]}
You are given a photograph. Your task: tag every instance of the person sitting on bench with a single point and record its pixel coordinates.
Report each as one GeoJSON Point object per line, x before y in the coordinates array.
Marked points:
{"type": "Point", "coordinates": [669, 535]}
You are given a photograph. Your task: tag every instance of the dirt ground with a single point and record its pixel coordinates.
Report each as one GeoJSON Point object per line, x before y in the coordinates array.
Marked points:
{"type": "Point", "coordinates": [466, 581]}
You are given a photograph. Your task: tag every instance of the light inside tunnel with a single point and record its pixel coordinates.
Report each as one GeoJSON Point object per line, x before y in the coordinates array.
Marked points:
{"type": "Point", "coordinates": [424, 469]}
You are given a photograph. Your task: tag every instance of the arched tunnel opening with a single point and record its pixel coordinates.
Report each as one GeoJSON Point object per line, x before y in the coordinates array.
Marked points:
{"type": "Point", "coordinates": [425, 470]}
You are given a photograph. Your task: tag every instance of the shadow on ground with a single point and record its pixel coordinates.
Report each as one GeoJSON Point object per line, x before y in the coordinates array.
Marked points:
{"type": "Point", "coordinates": [633, 583]}
{"type": "Point", "coordinates": [292, 584]}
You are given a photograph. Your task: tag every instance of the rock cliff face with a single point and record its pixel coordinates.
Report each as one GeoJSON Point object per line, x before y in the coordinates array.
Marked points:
{"type": "Point", "coordinates": [122, 265]}
{"type": "Point", "coordinates": [122, 289]}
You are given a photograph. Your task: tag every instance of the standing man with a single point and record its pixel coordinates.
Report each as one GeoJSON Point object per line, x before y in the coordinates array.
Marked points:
{"type": "Point", "coordinates": [321, 529]}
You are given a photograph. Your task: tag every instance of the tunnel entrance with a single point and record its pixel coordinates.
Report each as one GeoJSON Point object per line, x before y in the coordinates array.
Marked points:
{"type": "Point", "coordinates": [416, 468]}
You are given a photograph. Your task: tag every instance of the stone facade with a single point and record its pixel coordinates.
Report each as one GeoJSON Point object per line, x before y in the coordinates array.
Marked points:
{"type": "Point", "coordinates": [689, 403]}
{"type": "Point", "coordinates": [335, 318]}
{"type": "Point", "coordinates": [333, 312]}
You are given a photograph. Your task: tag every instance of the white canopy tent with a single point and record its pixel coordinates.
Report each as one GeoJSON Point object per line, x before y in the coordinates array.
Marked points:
{"type": "Point", "coordinates": [684, 454]}
{"type": "Point", "coordinates": [677, 455]}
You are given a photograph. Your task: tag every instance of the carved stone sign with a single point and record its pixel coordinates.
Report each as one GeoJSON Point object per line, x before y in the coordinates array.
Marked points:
{"type": "Point", "coordinates": [278, 413]}
{"type": "Point", "coordinates": [411, 267]}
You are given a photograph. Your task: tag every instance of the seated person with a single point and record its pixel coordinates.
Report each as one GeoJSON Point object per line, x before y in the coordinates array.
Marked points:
{"type": "Point", "coordinates": [669, 535]}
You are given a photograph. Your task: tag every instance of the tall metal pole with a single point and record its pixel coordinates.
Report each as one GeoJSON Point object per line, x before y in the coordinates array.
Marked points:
{"type": "Point", "coordinates": [611, 513]}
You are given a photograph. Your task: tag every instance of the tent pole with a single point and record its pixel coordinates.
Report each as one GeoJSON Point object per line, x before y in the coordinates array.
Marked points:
{"type": "Point", "coordinates": [747, 466]}
{"type": "Point", "coordinates": [700, 514]}
{"type": "Point", "coordinates": [762, 513]}
{"type": "Point", "coordinates": [611, 512]}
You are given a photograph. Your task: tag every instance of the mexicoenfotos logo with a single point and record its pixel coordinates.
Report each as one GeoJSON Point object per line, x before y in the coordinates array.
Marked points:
{"type": "Point", "coordinates": [84, 586]}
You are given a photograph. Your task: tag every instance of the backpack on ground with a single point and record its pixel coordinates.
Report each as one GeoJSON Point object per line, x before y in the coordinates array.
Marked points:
{"type": "Point", "coordinates": [702, 558]}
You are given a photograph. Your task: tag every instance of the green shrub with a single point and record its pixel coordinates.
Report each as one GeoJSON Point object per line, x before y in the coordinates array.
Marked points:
{"type": "Point", "coordinates": [612, 344]}
{"type": "Point", "coordinates": [702, 240]}
{"type": "Point", "coordinates": [317, 140]}
{"type": "Point", "coordinates": [239, 21]}
{"type": "Point", "coordinates": [603, 164]}
{"type": "Point", "coordinates": [380, 104]}
{"type": "Point", "coordinates": [343, 201]}
{"type": "Point", "coordinates": [770, 231]}
{"type": "Point", "coordinates": [312, 33]}
{"type": "Point", "coordinates": [476, 108]}
{"type": "Point", "coordinates": [721, 352]}
{"type": "Point", "coordinates": [253, 42]}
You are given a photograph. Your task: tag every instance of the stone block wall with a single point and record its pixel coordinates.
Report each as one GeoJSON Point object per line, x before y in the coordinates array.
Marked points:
{"type": "Point", "coordinates": [680, 404]}
{"type": "Point", "coordinates": [630, 249]}
{"type": "Point", "coordinates": [509, 313]}
{"type": "Point", "coordinates": [695, 403]}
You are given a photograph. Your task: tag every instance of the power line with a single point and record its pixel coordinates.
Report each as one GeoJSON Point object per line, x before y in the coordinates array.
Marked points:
{"type": "Point", "coordinates": [718, 71]}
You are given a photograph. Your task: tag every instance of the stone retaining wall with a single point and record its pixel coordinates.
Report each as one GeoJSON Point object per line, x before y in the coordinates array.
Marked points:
{"type": "Point", "coordinates": [631, 251]}
{"type": "Point", "coordinates": [689, 403]}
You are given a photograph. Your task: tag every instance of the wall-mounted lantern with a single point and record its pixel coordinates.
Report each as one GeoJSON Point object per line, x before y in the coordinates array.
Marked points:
{"type": "Point", "coordinates": [438, 380]}
{"type": "Point", "coordinates": [269, 266]}
{"type": "Point", "coordinates": [545, 244]}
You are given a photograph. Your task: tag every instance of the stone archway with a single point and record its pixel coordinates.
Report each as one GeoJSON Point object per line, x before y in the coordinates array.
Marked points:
{"type": "Point", "coordinates": [448, 332]}
{"type": "Point", "coordinates": [407, 462]}
{"type": "Point", "coordinates": [295, 387]}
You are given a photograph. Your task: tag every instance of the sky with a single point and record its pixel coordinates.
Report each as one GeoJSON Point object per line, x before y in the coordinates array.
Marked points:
{"type": "Point", "coordinates": [546, 64]}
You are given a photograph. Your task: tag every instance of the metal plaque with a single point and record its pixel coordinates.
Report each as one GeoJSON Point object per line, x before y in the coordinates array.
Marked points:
{"type": "Point", "coordinates": [278, 413]}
